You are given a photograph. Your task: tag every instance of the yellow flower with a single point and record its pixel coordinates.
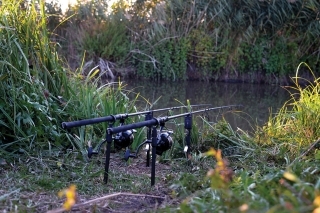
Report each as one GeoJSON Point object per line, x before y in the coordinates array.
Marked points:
{"type": "Point", "coordinates": [71, 196]}
{"type": "Point", "coordinates": [316, 201]}
{"type": "Point", "coordinates": [290, 176]}
{"type": "Point", "coordinates": [221, 173]}
{"type": "Point", "coordinates": [219, 156]}
{"type": "Point", "coordinates": [211, 152]}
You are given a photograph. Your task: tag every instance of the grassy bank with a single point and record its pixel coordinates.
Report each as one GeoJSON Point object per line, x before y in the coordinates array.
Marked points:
{"type": "Point", "coordinates": [274, 170]}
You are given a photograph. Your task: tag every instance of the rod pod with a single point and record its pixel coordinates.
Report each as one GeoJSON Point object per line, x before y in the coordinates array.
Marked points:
{"type": "Point", "coordinates": [154, 122]}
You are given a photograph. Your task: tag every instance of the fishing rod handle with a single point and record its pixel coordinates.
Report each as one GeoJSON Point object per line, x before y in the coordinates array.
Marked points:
{"type": "Point", "coordinates": [110, 118]}
{"type": "Point", "coordinates": [71, 124]}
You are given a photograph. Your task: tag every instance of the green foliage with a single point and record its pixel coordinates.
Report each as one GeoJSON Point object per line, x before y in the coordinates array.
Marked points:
{"type": "Point", "coordinates": [275, 56]}
{"type": "Point", "coordinates": [281, 57]}
{"type": "Point", "coordinates": [37, 93]}
{"type": "Point", "coordinates": [89, 10]}
{"type": "Point", "coordinates": [92, 100]}
{"type": "Point", "coordinates": [252, 57]}
{"type": "Point", "coordinates": [107, 40]}
{"type": "Point", "coordinates": [79, 21]}
{"type": "Point", "coordinates": [204, 54]}
{"type": "Point", "coordinates": [188, 183]}
{"type": "Point", "coordinates": [54, 15]}
{"type": "Point", "coordinates": [221, 135]}
{"type": "Point", "coordinates": [297, 120]}
{"type": "Point", "coordinates": [258, 192]}
{"type": "Point", "coordinates": [218, 38]}
{"type": "Point", "coordinates": [166, 59]}
{"type": "Point", "coordinates": [31, 80]}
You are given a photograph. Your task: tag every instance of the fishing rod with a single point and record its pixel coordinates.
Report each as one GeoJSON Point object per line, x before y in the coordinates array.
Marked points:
{"type": "Point", "coordinates": [160, 120]}
{"type": "Point", "coordinates": [160, 142]}
{"type": "Point", "coordinates": [113, 118]}
{"type": "Point", "coordinates": [122, 139]}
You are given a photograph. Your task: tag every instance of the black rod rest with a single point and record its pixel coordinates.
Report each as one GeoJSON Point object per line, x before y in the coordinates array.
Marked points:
{"type": "Point", "coordinates": [154, 150]}
{"type": "Point", "coordinates": [188, 127]}
{"type": "Point", "coordinates": [154, 154]}
{"type": "Point", "coordinates": [90, 150]}
{"type": "Point", "coordinates": [148, 116]}
{"type": "Point", "coordinates": [148, 141]}
{"type": "Point", "coordinates": [135, 155]}
{"type": "Point", "coordinates": [106, 167]}
{"type": "Point", "coordinates": [154, 122]}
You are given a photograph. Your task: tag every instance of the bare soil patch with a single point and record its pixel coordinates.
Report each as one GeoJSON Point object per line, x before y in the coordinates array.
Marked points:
{"type": "Point", "coordinates": [128, 190]}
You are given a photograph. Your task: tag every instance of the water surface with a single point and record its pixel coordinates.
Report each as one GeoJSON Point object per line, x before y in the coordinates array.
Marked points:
{"type": "Point", "coordinates": [258, 100]}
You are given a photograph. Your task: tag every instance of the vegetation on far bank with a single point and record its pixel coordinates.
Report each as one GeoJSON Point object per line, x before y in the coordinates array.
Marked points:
{"type": "Point", "coordinates": [252, 41]}
{"type": "Point", "coordinates": [273, 170]}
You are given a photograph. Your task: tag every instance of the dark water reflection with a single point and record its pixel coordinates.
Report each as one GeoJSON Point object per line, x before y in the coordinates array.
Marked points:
{"type": "Point", "coordinates": [257, 100]}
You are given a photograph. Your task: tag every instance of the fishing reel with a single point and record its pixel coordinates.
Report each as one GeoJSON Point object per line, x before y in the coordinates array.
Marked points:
{"type": "Point", "coordinates": [124, 139]}
{"type": "Point", "coordinates": [121, 140]}
{"type": "Point", "coordinates": [164, 142]}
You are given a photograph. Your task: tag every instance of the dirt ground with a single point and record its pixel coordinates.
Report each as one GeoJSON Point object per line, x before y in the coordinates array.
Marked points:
{"type": "Point", "coordinates": [149, 199]}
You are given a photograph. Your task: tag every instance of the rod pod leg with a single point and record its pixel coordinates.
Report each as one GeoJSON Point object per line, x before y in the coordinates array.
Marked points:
{"type": "Point", "coordinates": [148, 150]}
{"type": "Point", "coordinates": [148, 116]}
{"type": "Point", "coordinates": [148, 156]}
{"type": "Point", "coordinates": [188, 127]}
{"type": "Point", "coordinates": [106, 167]}
{"type": "Point", "coordinates": [154, 154]}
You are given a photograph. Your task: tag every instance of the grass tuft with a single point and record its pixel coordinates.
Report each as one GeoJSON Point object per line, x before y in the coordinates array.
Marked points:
{"type": "Point", "coordinates": [295, 126]}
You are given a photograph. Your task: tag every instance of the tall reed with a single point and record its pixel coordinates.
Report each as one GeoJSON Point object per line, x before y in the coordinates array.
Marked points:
{"type": "Point", "coordinates": [37, 93]}
{"type": "Point", "coordinates": [31, 76]}
{"type": "Point", "coordinates": [295, 126]}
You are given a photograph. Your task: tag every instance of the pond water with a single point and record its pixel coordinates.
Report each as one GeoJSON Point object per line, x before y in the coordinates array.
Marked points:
{"type": "Point", "coordinates": [258, 101]}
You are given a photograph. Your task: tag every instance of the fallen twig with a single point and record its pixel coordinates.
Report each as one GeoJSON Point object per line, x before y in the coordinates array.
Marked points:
{"type": "Point", "coordinates": [59, 210]}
